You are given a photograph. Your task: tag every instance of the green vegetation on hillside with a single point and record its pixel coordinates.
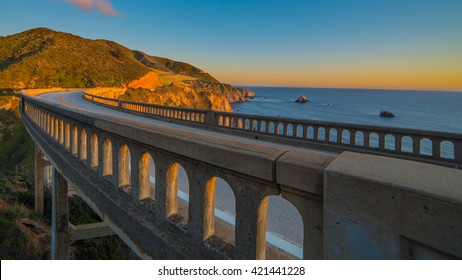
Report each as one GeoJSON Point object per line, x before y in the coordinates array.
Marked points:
{"type": "Point", "coordinates": [176, 67]}
{"type": "Point", "coordinates": [42, 58]}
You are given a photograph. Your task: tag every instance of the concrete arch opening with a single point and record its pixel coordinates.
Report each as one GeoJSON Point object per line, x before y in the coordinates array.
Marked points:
{"type": "Point", "coordinates": [94, 151]}
{"type": "Point", "coordinates": [426, 147]}
{"type": "Point", "coordinates": [146, 177]}
{"type": "Point", "coordinates": [56, 125]}
{"type": "Point", "coordinates": [75, 140]}
{"type": "Point", "coordinates": [107, 157]}
{"type": "Point", "coordinates": [51, 126]}
{"type": "Point", "coordinates": [61, 132]}
{"type": "Point", "coordinates": [67, 137]}
{"type": "Point", "coordinates": [177, 192]}
{"type": "Point", "coordinates": [346, 137]}
{"type": "Point", "coordinates": [447, 149]}
{"type": "Point", "coordinates": [390, 142]}
{"type": "Point", "coordinates": [219, 210]}
{"type": "Point", "coordinates": [321, 134]}
{"type": "Point", "coordinates": [83, 144]}
{"type": "Point", "coordinates": [407, 144]}
{"type": "Point", "coordinates": [124, 166]}
{"type": "Point", "coordinates": [310, 132]}
{"type": "Point", "coordinates": [332, 135]}
{"type": "Point", "coordinates": [284, 229]}
{"type": "Point", "coordinates": [374, 140]}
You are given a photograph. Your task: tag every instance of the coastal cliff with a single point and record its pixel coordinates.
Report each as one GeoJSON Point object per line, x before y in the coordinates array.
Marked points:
{"type": "Point", "coordinates": [180, 95]}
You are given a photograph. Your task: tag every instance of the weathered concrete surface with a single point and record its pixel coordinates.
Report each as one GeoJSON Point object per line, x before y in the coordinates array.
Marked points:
{"type": "Point", "coordinates": [79, 232]}
{"type": "Point", "coordinates": [252, 159]}
{"type": "Point", "coordinates": [303, 170]}
{"type": "Point", "coordinates": [301, 176]}
{"type": "Point", "coordinates": [39, 180]}
{"type": "Point", "coordinates": [146, 237]}
{"type": "Point", "coordinates": [383, 208]}
{"type": "Point", "coordinates": [60, 238]}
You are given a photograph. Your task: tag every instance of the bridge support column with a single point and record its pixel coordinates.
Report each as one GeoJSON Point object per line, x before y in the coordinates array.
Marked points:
{"type": "Point", "coordinates": [311, 210]}
{"type": "Point", "coordinates": [250, 228]}
{"type": "Point", "coordinates": [59, 218]}
{"type": "Point", "coordinates": [162, 166]}
{"type": "Point", "coordinates": [39, 176]}
{"type": "Point", "coordinates": [201, 224]}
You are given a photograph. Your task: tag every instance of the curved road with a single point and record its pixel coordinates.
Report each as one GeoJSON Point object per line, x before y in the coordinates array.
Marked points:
{"type": "Point", "coordinates": [284, 225]}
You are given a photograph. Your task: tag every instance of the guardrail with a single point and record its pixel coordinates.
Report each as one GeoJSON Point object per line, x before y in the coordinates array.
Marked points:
{"type": "Point", "coordinates": [112, 163]}
{"type": "Point", "coordinates": [400, 209]}
{"type": "Point", "coordinates": [436, 147]}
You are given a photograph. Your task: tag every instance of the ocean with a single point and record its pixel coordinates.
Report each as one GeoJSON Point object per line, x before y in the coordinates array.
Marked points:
{"type": "Point", "coordinates": [425, 110]}
{"type": "Point", "coordinates": [414, 109]}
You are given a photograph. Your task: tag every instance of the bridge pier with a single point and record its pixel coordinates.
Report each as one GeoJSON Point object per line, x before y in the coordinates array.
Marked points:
{"type": "Point", "coordinates": [59, 218]}
{"type": "Point", "coordinates": [39, 180]}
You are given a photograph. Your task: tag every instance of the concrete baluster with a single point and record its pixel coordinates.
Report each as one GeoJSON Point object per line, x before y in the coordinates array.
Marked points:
{"type": "Point", "coordinates": [415, 145]}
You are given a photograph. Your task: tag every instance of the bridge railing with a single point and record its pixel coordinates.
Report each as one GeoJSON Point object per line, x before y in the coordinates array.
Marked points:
{"type": "Point", "coordinates": [394, 208]}
{"type": "Point", "coordinates": [119, 153]}
{"type": "Point", "coordinates": [437, 147]}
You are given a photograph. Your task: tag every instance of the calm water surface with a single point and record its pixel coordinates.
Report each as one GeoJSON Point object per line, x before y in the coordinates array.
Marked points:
{"type": "Point", "coordinates": [427, 110]}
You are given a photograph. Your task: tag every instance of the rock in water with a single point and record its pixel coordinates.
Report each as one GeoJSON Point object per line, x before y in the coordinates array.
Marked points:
{"type": "Point", "coordinates": [302, 99]}
{"type": "Point", "coordinates": [387, 114]}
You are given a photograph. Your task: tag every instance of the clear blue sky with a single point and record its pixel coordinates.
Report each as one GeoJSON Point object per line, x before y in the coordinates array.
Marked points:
{"type": "Point", "coordinates": [337, 43]}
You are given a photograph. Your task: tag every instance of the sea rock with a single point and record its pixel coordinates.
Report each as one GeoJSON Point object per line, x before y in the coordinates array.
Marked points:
{"type": "Point", "coordinates": [387, 114]}
{"type": "Point", "coordinates": [302, 99]}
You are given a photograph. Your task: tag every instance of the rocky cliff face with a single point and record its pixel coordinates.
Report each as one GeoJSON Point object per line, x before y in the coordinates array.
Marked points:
{"type": "Point", "coordinates": [197, 94]}
{"type": "Point", "coordinates": [232, 94]}
{"type": "Point", "coordinates": [150, 80]}
{"type": "Point", "coordinates": [180, 95]}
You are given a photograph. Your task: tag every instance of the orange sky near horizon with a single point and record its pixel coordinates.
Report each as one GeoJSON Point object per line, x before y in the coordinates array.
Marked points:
{"type": "Point", "coordinates": [433, 75]}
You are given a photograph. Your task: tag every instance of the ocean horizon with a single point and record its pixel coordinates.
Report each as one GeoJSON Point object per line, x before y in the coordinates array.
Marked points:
{"type": "Point", "coordinates": [435, 110]}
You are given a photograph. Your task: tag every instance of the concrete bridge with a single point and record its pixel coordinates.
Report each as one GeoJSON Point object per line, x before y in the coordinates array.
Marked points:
{"type": "Point", "coordinates": [362, 192]}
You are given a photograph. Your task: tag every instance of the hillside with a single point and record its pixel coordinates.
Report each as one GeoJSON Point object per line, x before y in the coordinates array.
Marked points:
{"type": "Point", "coordinates": [43, 58]}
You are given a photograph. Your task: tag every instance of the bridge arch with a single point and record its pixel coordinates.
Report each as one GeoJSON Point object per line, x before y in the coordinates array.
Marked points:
{"type": "Point", "coordinates": [107, 157]}
{"type": "Point", "coordinates": [124, 166]}
{"type": "Point", "coordinates": [407, 144]}
{"type": "Point", "coordinates": [146, 183]}
{"type": "Point", "coordinates": [447, 150]}
{"type": "Point", "coordinates": [67, 137]}
{"type": "Point", "coordinates": [212, 227]}
{"type": "Point", "coordinates": [177, 191]}
{"type": "Point", "coordinates": [390, 142]}
{"type": "Point", "coordinates": [83, 144]}
{"type": "Point", "coordinates": [332, 132]}
{"type": "Point", "coordinates": [94, 151]}
{"type": "Point", "coordinates": [75, 139]}
{"type": "Point", "coordinates": [426, 148]}
{"type": "Point", "coordinates": [283, 211]}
